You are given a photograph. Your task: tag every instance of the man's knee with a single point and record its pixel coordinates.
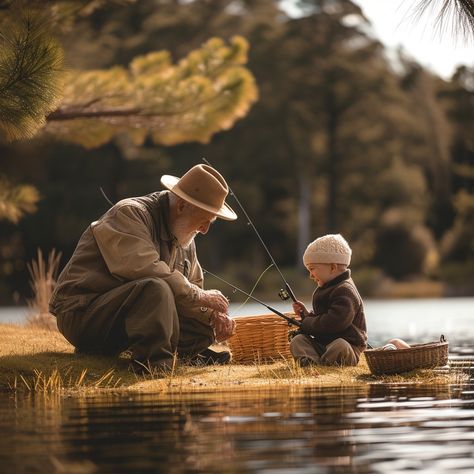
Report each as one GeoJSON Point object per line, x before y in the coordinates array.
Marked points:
{"type": "Point", "coordinates": [155, 286]}
{"type": "Point", "coordinates": [154, 304]}
{"type": "Point", "coordinates": [157, 291]}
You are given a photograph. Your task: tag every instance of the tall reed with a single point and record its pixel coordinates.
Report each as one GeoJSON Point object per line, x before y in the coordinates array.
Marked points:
{"type": "Point", "coordinates": [42, 282]}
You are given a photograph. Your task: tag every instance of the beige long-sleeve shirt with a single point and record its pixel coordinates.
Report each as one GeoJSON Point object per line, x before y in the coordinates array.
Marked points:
{"type": "Point", "coordinates": [131, 241]}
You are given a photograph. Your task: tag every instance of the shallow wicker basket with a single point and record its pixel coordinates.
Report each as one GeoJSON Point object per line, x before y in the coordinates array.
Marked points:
{"type": "Point", "coordinates": [259, 338]}
{"type": "Point", "coordinates": [418, 356]}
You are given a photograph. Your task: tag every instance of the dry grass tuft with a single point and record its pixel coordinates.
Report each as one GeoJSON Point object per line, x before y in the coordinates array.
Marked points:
{"type": "Point", "coordinates": [39, 360]}
{"type": "Point", "coordinates": [42, 281]}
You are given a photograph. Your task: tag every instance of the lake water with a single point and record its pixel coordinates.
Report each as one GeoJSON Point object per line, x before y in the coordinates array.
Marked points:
{"type": "Point", "coordinates": [376, 428]}
{"type": "Point", "coordinates": [368, 429]}
{"type": "Point", "coordinates": [416, 320]}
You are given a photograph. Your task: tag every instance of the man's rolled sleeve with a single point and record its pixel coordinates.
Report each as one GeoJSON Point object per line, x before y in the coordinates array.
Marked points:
{"type": "Point", "coordinates": [194, 309]}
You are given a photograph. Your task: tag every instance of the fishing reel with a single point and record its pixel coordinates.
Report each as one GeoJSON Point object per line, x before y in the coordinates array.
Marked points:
{"type": "Point", "coordinates": [283, 294]}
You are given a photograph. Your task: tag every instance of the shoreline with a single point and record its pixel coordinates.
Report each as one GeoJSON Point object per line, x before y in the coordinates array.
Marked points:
{"type": "Point", "coordinates": [39, 360]}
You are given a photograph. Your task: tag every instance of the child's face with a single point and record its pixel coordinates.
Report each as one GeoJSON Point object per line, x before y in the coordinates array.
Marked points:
{"type": "Point", "coordinates": [321, 273]}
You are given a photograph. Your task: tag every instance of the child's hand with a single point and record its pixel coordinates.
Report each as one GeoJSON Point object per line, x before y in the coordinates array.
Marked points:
{"type": "Point", "coordinates": [300, 309]}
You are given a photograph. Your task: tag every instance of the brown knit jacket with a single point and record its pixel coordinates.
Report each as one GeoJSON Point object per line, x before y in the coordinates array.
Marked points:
{"type": "Point", "coordinates": [338, 312]}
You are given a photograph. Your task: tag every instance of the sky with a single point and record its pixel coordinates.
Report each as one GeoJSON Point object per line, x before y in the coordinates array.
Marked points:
{"type": "Point", "coordinates": [394, 24]}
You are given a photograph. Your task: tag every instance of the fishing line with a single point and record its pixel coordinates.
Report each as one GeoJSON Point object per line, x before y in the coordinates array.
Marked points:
{"type": "Point", "coordinates": [249, 295]}
{"type": "Point", "coordinates": [273, 310]}
{"type": "Point", "coordinates": [254, 286]}
{"type": "Point", "coordinates": [105, 196]}
{"type": "Point", "coordinates": [253, 227]}
{"type": "Point", "coordinates": [286, 293]}
{"type": "Point", "coordinates": [253, 289]}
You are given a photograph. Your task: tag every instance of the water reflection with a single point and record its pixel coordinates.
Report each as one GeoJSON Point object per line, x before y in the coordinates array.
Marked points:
{"type": "Point", "coordinates": [302, 430]}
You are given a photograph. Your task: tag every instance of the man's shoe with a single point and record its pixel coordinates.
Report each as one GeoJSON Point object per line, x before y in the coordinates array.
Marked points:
{"type": "Point", "coordinates": [84, 351]}
{"type": "Point", "coordinates": [210, 357]}
{"type": "Point", "coordinates": [158, 369]}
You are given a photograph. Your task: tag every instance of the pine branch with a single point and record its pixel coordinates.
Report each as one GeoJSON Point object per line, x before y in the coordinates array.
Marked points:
{"type": "Point", "coordinates": [30, 76]}
{"type": "Point", "coordinates": [128, 116]}
{"type": "Point", "coordinates": [72, 114]}
{"type": "Point", "coordinates": [205, 92]}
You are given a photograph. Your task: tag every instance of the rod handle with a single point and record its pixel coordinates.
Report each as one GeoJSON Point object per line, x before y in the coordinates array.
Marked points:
{"type": "Point", "coordinates": [293, 297]}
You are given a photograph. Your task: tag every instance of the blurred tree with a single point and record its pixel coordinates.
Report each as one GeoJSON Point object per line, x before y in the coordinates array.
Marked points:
{"type": "Point", "coordinates": [320, 51]}
{"type": "Point", "coordinates": [205, 92]}
{"type": "Point", "coordinates": [457, 268]}
{"type": "Point", "coordinates": [401, 250]}
{"type": "Point", "coordinates": [457, 97]}
{"type": "Point", "coordinates": [15, 201]}
{"type": "Point", "coordinates": [345, 120]}
{"type": "Point", "coordinates": [432, 150]}
{"type": "Point", "coordinates": [458, 243]}
{"type": "Point", "coordinates": [325, 90]}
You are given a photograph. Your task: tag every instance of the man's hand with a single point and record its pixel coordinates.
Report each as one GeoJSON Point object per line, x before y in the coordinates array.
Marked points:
{"type": "Point", "coordinates": [300, 309]}
{"type": "Point", "coordinates": [214, 299]}
{"type": "Point", "coordinates": [224, 327]}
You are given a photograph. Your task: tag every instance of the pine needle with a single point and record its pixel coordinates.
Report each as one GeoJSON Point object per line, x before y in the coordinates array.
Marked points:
{"type": "Point", "coordinates": [460, 13]}
{"type": "Point", "coordinates": [31, 73]}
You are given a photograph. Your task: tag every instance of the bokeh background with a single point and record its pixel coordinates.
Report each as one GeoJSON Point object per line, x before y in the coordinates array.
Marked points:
{"type": "Point", "coordinates": [335, 138]}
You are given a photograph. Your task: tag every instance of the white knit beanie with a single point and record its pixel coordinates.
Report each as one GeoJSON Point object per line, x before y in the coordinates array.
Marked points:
{"type": "Point", "coordinates": [331, 248]}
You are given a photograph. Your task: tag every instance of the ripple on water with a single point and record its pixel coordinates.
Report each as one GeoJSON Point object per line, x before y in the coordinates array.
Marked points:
{"type": "Point", "coordinates": [364, 429]}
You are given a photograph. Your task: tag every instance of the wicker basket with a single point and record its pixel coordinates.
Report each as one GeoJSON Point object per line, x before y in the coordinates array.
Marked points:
{"type": "Point", "coordinates": [418, 356]}
{"type": "Point", "coordinates": [260, 338]}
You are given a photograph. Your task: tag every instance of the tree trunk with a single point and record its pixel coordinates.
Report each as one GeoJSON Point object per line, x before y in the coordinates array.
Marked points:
{"type": "Point", "coordinates": [334, 173]}
{"type": "Point", "coordinates": [304, 216]}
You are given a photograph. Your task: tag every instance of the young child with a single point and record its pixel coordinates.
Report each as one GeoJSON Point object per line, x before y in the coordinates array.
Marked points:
{"type": "Point", "coordinates": [334, 332]}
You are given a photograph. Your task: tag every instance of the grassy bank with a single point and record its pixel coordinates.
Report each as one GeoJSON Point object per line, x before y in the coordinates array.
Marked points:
{"type": "Point", "coordinates": [33, 359]}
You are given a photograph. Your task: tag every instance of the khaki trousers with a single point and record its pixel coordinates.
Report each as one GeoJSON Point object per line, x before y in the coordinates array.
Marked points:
{"type": "Point", "coordinates": [139, 316]}
{"type": "Point", "coordinates": [338, 352]}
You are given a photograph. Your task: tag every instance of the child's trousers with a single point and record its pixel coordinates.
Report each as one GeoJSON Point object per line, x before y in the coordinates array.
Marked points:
{"type": "Point", "coordinates": [338, 352]}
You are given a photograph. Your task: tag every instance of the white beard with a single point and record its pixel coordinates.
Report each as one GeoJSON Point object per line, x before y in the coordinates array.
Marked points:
{"type": "Point", "coordinates": [183, 236]}
{"type": "Point", "coordinates": [186, 240]}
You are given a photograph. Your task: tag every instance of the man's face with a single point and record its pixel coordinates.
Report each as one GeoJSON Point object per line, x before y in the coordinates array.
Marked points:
{"type": "Point", "coordinates": [190, 221]}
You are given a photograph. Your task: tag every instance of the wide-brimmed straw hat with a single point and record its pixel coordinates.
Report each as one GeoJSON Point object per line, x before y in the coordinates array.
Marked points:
{"type": "Point", "coordinates": [204, 187]}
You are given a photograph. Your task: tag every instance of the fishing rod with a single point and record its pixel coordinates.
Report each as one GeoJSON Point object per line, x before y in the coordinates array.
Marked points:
{"type": "Point", "coordinates": [273, 310]}
{"type": "Point", "coordinates": [285, 293]}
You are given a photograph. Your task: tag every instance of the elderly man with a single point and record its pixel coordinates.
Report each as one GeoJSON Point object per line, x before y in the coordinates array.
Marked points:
{"type": "Point", "coordinates": [134, 281]}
